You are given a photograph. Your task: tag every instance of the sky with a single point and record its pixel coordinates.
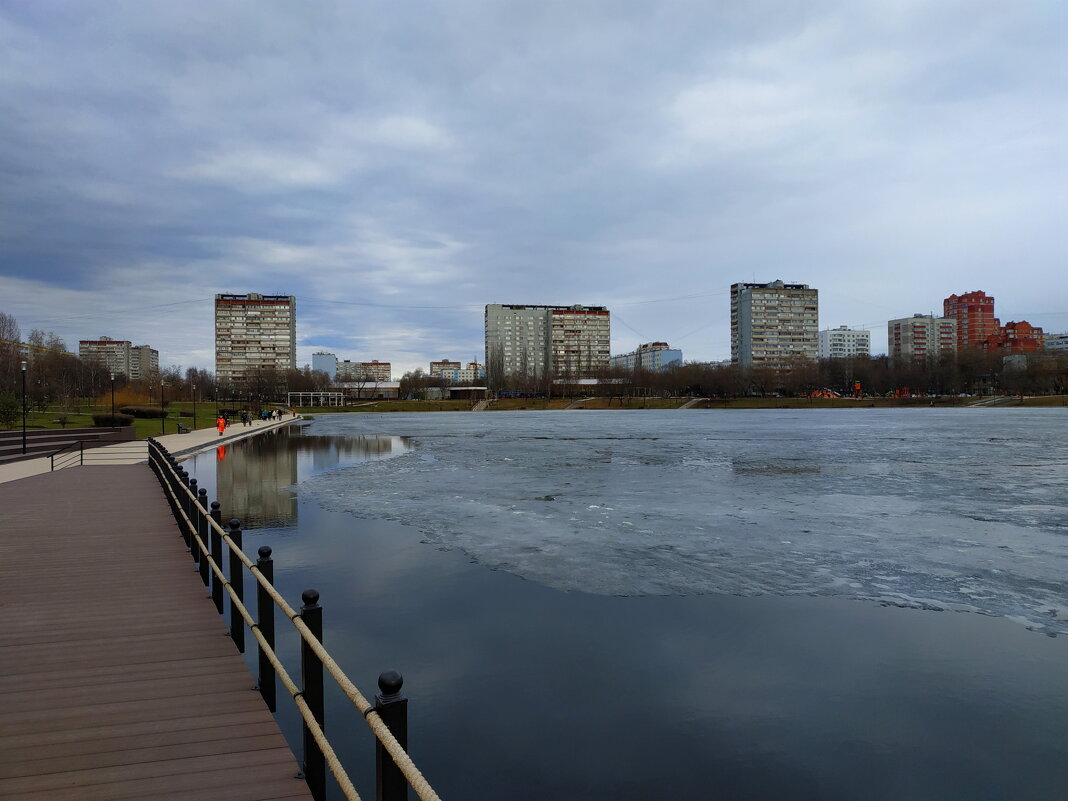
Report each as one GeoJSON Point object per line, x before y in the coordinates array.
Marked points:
{"type": "Point", "coordinates": [397, 166]}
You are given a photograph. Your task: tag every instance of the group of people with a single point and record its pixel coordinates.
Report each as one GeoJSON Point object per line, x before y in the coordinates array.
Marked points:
{"type": "Point", "coordinates": [265, 415]}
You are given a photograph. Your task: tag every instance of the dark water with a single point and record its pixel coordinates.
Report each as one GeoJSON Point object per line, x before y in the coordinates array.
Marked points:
{"type": "Point", "coordinates": [520, 691]}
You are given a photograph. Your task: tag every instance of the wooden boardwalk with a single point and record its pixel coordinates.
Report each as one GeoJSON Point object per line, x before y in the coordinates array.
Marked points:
{"type": "Point", "coordinates": [117, 680]}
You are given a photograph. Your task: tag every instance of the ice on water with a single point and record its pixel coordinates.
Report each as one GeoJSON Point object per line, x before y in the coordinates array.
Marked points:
{"type": "Point", "coordinates": [958, 509]}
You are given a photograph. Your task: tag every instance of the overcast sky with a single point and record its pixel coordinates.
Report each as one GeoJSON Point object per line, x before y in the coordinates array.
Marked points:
{"type": "Point", "coordinates": [398, 165]}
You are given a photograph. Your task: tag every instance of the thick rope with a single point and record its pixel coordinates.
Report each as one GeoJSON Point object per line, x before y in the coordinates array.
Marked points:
{"type": "Point", "coordinates": [381, 731]}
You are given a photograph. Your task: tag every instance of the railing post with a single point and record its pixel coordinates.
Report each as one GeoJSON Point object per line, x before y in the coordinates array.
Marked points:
{"type": "Point", "coordinates": [237, 584]}
{"type": "Point", "coordinates": [265, 620]}
{"type": "Point", "coordinates": [183, 500]}
{"type": "Point", "coordinates": [191, 513]}
{"type": "Point", "coordinates": [392, 708]}
{"type": "Point", "coordinates": [216, 555]}
{"type": "Point", "coordinates": [202, 530]}
{"type": "Point", "coordinates": [311, 671]}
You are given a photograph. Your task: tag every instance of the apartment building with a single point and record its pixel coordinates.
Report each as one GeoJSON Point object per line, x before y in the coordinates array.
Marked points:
{"type": "Point", "coordinates": [530, 340]}
{"type": "Point", "coordinates": [974, 313]}
{"type": "Point", "coordinates": [920, 337]}
{"type": "Point", "coordinates": [121, 357]}
{"type": "Point", "coordinates": [843, 342]}
{"type": "Point", "coordinates": [254, 332]}
{"type": "Point", "coordinates": [364, 371]}
{"type": "Point", "coordinates": [773, 324]}
{"type": "Point", "coordinates": [653, 356]}
{"type": "Point", "coordinates": [1015, 337]}
{"type": "Point", "coordinates": [457, 373]}
{"type": "Point", "coordinates": [1055, 341]}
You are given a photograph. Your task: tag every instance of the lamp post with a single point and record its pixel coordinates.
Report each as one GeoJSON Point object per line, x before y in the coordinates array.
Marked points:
{"type": "Point", "coordinates": [162, 419]}
{"type": "Point", "coordinates": [194, 406]}
{"type": "Point", "coordinates": [24, 406]}
{"type": "Point", "coordinates": [112, 400]}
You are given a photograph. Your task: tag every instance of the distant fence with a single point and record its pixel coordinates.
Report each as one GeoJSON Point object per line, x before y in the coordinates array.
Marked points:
{"type": "Point", "coordinates": [203, 532]}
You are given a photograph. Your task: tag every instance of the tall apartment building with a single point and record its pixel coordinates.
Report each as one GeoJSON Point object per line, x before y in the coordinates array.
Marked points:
{"type": "Point", "coordinates": [653, 356]}
{"type": "Point", "coordinates": [120, 357]}
{"type": "Point", "coordinates": [363, 371]}
{"type": "Point", "coordinates": [920, 337]}
{"type": "Point", "coordinates": [843, 342]}
{"type": "Point", "coordinates": [974, 313]}
{"type": "Point", "coordinates": [773, 324]}
{"type": "Point", "coordinates": [144, 362]}
{"type": "Point", "coordinates": [325, 363]}
{"type": "Point", "coordinates": [457, 373]}
{"type": "Point", "coordinates": [530, 340]}
{"type": "Point", "coordinates": [254, 332]}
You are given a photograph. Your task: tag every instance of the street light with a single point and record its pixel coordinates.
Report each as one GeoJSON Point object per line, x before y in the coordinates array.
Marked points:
{"type": "Point", "coordinates": [24, 406]}
{"type": "Point", "coordinates": [112, 400]}
{"type": "Point", "coordinates": [194, 406]}
{"type": "Point", "coordinates": [162, 419]}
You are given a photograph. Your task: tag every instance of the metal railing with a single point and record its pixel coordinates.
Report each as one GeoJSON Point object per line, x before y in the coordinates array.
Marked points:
{"type": "Point", "coordinates": [73, 453]}
{"type": "Point", "coordinates": [201, 528]}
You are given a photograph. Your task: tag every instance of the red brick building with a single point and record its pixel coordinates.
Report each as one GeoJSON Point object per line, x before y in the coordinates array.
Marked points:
{"type": "Point", "coordinates": [974, 313]}
{"type": "Point", "coordinates": [1021, 337]}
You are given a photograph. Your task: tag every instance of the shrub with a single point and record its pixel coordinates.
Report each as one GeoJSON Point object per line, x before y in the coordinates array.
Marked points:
{"type": "Point", "coordinates": [143, 411]}
{"type": "Point", "coordinates": [106, 420]}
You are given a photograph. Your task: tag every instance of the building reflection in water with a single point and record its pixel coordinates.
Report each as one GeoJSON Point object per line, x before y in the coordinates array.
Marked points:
{"type": "Point", "coordinates": [255, 477]}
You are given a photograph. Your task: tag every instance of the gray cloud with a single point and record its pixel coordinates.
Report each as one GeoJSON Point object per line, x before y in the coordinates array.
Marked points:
{"type": "Point", "coordinates": [397, 166]}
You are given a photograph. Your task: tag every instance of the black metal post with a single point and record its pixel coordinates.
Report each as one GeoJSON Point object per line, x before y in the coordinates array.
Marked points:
{"type": "Point", "coordinates": [24, 406]}
{"type": "Point", "coordinates": [191, 513]}
{"type": "Point", "coordinates": [202, 530]}
{"type": "Point", "coordinates": [162, 419]}
{"type": "Point", "coordinates": [183, 500]}
{"type": "Point", "coordinates": [194, 386]}
{"type": "Point", "coordinates": [265, 620]}
{"type": "Point", "coordinates": [392, 708]}
{"type": "Point", "coordinates": [311, 671]}
{"type": "Point", "coordinates": [216, 555]}
{"type": "Point", "coordinates": [113, 400]}
{"type": "Point", "coordinates": [237, 584]}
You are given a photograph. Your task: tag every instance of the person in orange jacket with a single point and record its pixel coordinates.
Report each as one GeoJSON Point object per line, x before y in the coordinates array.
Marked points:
{"type": "Point", "coordinates": [221, 424]}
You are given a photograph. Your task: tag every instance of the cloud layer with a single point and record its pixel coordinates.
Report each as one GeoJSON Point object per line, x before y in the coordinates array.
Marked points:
{"type": "Point", "coordinates": [398, 166]}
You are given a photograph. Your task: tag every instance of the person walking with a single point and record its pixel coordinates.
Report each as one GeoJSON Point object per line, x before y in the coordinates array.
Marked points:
{"type": "Point", "coordinates": [221, 424]}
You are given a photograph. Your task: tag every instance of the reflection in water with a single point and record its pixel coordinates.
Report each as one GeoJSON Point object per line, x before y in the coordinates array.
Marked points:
{"type": "Point", "coordinates": [254, 476]}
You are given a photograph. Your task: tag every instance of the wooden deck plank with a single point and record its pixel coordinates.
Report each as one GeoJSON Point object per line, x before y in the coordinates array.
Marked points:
{"type": "Point", "coordinates": [117, 679]}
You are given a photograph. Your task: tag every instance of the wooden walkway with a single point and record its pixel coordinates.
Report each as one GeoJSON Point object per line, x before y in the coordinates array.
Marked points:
{"type": "Point", "coordinates": [116, 678]}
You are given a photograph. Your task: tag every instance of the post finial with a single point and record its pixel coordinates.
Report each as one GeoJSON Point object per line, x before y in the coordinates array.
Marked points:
{"type": "Point", "coordinates": [310, 597]}
{"type": "Point", "coordinates": [390, 683]}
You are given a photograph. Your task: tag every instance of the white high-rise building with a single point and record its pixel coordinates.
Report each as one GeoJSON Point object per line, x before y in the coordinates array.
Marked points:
{"type": "Point", "coordinates": [254, 332]}
{"type": "Point", "coordinates": [843, 342]}
{"type": "Point", "coordinates": [773, 324]}
{"type": "Point", "coordinates": [920, 337]}
{"type": "Point", "coordinates": [531, 340]}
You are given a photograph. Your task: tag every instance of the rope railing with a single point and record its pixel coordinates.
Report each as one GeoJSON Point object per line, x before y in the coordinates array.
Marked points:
{"type": "Point", "coordinates": [190, 504]}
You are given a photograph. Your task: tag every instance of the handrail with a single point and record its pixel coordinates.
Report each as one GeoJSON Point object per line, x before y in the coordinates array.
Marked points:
{"type": "Point", "coordinates": [367, 710]}
{"type": "Point", "coordinates": [81, 452]}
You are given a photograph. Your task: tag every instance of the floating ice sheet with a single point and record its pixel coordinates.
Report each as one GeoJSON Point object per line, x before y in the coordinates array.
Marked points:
{"type": "Point", "coordinates": [957, 509]}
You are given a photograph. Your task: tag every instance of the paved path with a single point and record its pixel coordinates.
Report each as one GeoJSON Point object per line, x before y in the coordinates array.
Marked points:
{"type": "Point", "coordinates": [136, 451]}
{"type": "Point", "coordinates": [116, 678]}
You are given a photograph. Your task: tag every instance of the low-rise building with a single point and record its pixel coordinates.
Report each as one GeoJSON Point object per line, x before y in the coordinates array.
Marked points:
{"type": "Point", "coordinates": [457, 373]}
{"type": "Point", "coordinates": [1056, 341]}
{"type": "Point", "coordinates": [844, 342]}
{"type": "Point", "coordinates": [653, 356]}
{"type": "Point", "coordinates": [1015, 337]}
{"type": "Point", "coordinates": [363, 371]}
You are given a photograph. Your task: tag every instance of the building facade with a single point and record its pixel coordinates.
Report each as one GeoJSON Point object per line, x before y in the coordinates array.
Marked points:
{"type": "Point", "coordinates": [653, 356]}
{"type": "Point", "coordinates": [254, 332]}
{"type": "Point", "coordinates": [920, 337]}
{"type": "Point", "coordinates": [457, 373]}
{"type": "Point", "coordinates": [324, 362]}
{"type": "Point", "coordinates": [113, 353]}
{"type": "Point", "coordinates": [531, 340]}
{"type": "Point", "coordinates": [974, 313]}
{"type": "Point", "coordinates": [364, 371]}
{"type": "Point", "coordinates": [1055, 341]}
{"type": "Point", "coordinates": [843, 342]}
{"type": "Point", "coordinates": [1015, 337]}
{"type": "Point", "coordinates": [144, 362]}
{"type": "Point", "coordinates": [773, 324]}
